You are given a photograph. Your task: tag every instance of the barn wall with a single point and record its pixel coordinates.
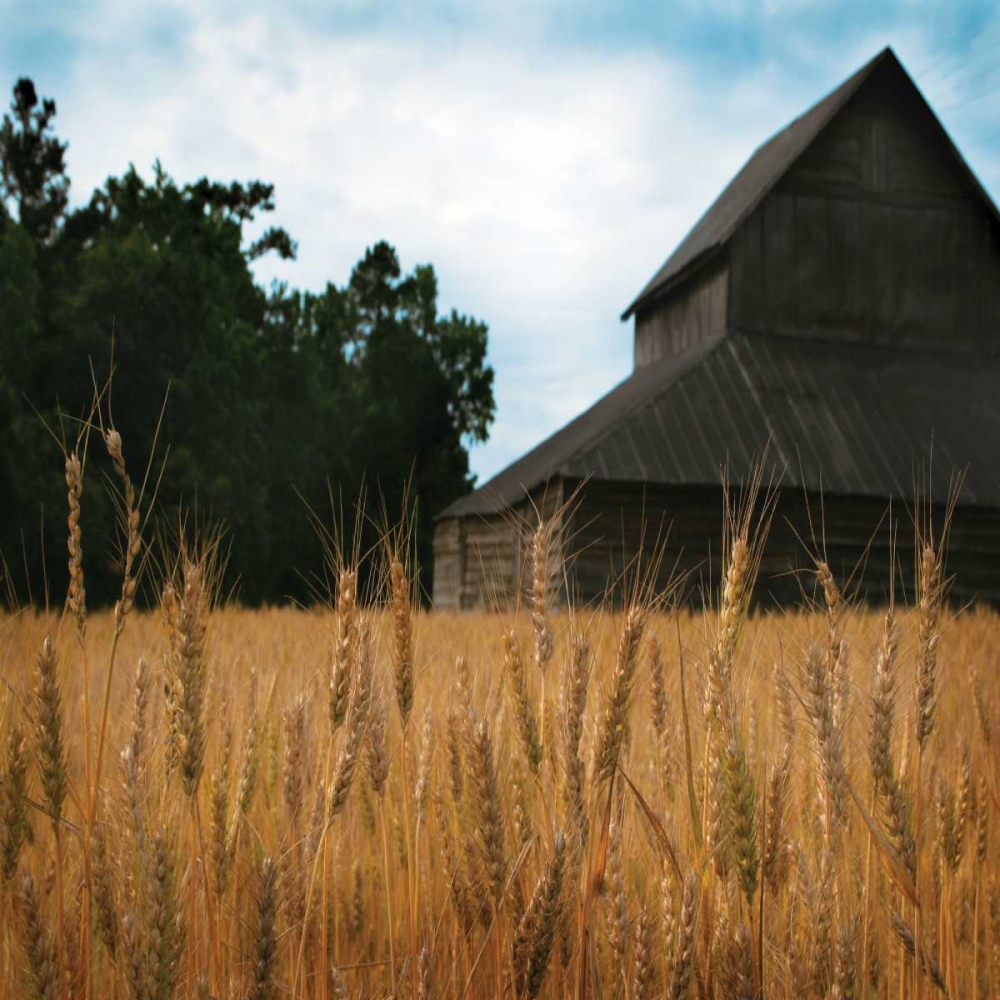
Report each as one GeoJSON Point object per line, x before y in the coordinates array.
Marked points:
{"type": "Point", "coordinates": [614, 522]}
{"type": "Point", "coordinates": [684, 319]}
{"type": "Point", "coordinates": [449, 562]}
{"type": "Point", "coordinates": [875, 234]}
{"type": "Point", "coordinates": [608, 534]}
{"type": "Point", "coordinates": [480, 561]}
{"type": "Point", "coordinates": [491, 562]}
{"type": "Point", "coordinates": [476, 562]}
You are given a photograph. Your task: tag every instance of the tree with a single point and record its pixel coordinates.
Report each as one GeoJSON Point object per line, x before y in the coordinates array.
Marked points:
{"type": "Point", "coordinates": [32, 165]}
{"type": "Point", "coordinates": [166, 268]}
{"type": "Point", "coordinates": [20, 293]}
{"type": "Point", "coordinates": [406, 389]}
{"type": "Point", "coordinates": [459, 346]}
{"type": "Point", "coordinates": [274, 398]}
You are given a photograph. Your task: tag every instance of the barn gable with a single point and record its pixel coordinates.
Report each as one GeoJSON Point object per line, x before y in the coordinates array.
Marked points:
{"type": "Point", "coordinates": [874, 133]}
{"type": "Point", "coordinates": [859, 221]}
{"type": "Point", "coordinates": [766, 166]}
{"type": "Point", "coordinates": [878, 233]}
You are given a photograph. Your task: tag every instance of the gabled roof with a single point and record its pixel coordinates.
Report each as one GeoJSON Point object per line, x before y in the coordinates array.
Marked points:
{"type": "Point", "coordinates": [855, 422]}
{"type": "Point", "coordinates": [853, 419]}
{"type": "Point", "coordinates": [765, 168]}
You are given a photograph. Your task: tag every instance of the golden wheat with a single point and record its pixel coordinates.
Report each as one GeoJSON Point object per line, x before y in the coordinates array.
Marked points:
{"type": "Point", "coordinates": [823, 828]}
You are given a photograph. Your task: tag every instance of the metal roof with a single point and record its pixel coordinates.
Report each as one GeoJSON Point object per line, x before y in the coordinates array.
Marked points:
{"type": "Point", "coordinates": [766, 166]}
{"type": "Point", "coordinates": [854, 419]}
{"type": "Point", "coordinates": [844, 418]}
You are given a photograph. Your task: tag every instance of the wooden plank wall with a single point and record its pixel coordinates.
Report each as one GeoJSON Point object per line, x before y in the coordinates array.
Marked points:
{"type": "Point", "coordinates": [616, 528]}
{"type": "Point", "coordinates": [480, 562]}
{"type": "Point", "coordinates": [608, 535]}
{"type": "Point", "coordinates": [491, 562]}
{"type": "Point", "coordinates": [687, 317]}
{"type": "Point", "coordinates": [875, 234]}
{"type": "Point", "coordinates": [449, 562]}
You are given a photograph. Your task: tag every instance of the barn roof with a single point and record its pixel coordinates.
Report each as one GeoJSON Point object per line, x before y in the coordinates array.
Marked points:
{"type": "Point", "coordinates": [856, 422]}
{"type": "Point", "coordinates": [766, 166]}
{"type": "Point", "coordinates": [852, 419]}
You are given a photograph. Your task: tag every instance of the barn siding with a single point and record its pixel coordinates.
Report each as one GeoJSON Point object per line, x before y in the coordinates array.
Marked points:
{"type": "Point", "coordinates": [479, 561]}
{"type": "Point", "coordinates": [615, 528]}
{"type": "Point", "coordinates": [617, 521]}
{"type": "Point", "coordinates": [491, 561]}
{"type": "Point", "coordinates": [672, 325]}
{"type": "Point", "coordinates": [449, 560]}
{"type": "Point", "coordinates": [874, 234]}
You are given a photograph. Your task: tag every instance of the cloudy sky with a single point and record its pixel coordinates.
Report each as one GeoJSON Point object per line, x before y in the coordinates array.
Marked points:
{"type": "Point", "coordinates": [545, 155]}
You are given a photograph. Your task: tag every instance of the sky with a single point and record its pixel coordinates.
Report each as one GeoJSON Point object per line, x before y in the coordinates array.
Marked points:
{"type": "Point", "coordinates": [545, 155]}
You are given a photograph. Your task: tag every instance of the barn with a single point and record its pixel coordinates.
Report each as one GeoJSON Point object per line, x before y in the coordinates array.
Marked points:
{"type": "Point", "coordinates": [839, 304]}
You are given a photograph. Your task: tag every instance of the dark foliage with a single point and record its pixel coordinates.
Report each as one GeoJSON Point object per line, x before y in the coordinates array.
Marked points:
{"type": "Point", "coordinates": [278, 401]}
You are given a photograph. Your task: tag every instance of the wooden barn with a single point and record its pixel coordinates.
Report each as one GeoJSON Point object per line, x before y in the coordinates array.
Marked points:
{"type": "Point", "coordinates": [839, 302]}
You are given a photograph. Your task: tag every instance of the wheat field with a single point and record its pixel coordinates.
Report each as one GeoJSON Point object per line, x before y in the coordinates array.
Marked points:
{"type": "Point", "coordinates": [366, 800]}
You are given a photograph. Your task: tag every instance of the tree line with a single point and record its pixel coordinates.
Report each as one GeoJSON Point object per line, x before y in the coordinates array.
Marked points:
{"type": "Point", "coordinates": [278, 401]}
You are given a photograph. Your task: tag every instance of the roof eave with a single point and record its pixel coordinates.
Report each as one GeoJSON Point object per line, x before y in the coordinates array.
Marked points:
{"type": "Point", "coordinates": [455, 508]}
{"type": "Point", "coordinates": [680, 278]}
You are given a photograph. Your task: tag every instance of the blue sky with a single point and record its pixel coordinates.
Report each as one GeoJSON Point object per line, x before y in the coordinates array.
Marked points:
{"type": "Point", "coordinates": [545, 155]}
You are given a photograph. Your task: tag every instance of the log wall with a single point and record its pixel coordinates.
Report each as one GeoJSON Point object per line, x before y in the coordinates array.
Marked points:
{"type": "Point", "coordinates": [619, 527]}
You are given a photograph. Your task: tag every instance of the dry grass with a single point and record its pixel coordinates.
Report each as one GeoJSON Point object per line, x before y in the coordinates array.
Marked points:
{"type": "Point", "coordinates": [370, 801]}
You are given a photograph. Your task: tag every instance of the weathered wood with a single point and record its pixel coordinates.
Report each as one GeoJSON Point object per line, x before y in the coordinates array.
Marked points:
{"type": "Point", "coordinates": [618, 528]}
{"type": "Point", "coordinates": [449, 556]}
{"type": "Point", "coordinates": [618, 531]}
{"type": "Point", "coordinates": [683, 321]}
{"type": "Point", "coordinates": [891, 242]}
{"type": "Point", "coordinates": [482, 561]}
